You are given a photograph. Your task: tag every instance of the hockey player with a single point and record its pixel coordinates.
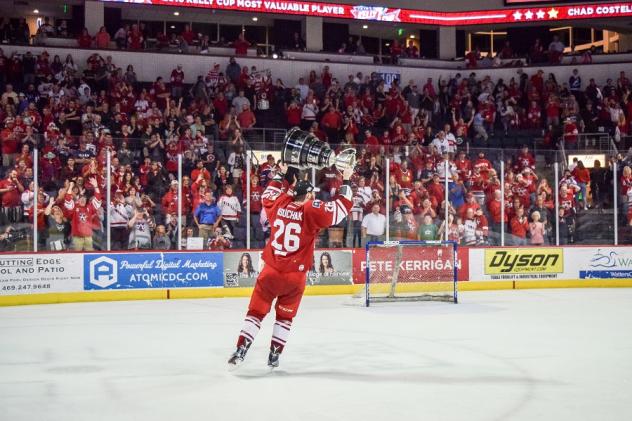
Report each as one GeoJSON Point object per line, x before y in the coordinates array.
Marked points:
{"type": "Point", "coordinates": [295, 221]}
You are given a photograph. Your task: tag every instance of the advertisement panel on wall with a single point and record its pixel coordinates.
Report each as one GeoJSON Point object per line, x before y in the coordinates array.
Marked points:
{"type": "Point", "coordinates": [524, 261]}
{"type": "Point", "coordinates": [428, 261]}
{"type": "Point", "coordinates": [152, 270]}
{"type": "Point", "coordinates": [551, 263]}
{"type": "Point", "coordinates": [40, 273]}
{"type": "Point", "coordinates": [602, 262]}
{"type": "Point", "coordinates": [331, 267]}
{"type": "Point", "coordinates": [507, 264]}
{"type": "Point", "coordinates": [242, 268]}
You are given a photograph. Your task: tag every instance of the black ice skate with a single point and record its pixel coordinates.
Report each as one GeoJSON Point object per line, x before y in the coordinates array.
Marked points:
{"type": "Point", "coordinates": [238, 356]}
{"type": "Point", "coordinates": [273, 357]}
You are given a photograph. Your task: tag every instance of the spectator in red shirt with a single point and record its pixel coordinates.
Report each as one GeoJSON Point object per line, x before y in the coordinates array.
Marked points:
{"type": "Point", "coordinates": [570, 134]}
{"type": "Point", "coordinates": [471, 58]}
{"type": "Point", "coordinates": [331, 123]}
{"type": "Point", "coordinates": [85, 40]}
{"type": "Point", "coordinates": [582, 176]}
{"type": "Point", "coordinates": [11, 190]}
{"type": "Point", "coordinates": [396, 51]}
{"type": "Point", "coordinates": [246, 118]}
{"type": "Point", "coordinates": [293, 113]}
{"type": "Point", "coordinates": [495, 208]}
{"type": "Point", "coordinates": [241, 45]}
{"type": "Point", "coordinates": [519, 227]}
{"type": "Point", "coordinates": [135, 38]}
{"type": "Point", "coordinates": [525, 159]}
{"type": "Point", "coordinates": [188, 35]}
{"type": "Point", "coordinates": [102, 38]}
{"type": "Point", "coordinates": [82, 215]}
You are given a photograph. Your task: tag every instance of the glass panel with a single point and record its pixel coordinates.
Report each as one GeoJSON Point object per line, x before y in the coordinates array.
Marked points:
{"type": "Point", "coordinates": [371, 44]}
{"type": "Point", "coordinates": [175, 28]}
{"type": "Point", "coordinates": [153, 28]}
{"type": "Point", "coordinates": [209, 29]}
{"type": "Point", "coordinates": [16, 212]}
{"type": "Point", "coordinates": [229, 33]}
{"type": "Point", "coordinates": [145, 184]}
{"type": "Point", "coordinates": [255, 34]}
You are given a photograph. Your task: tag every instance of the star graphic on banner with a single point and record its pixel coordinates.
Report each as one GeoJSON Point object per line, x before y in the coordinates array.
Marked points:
{"type": "Point", "coordinates": [553, 13]}
{"type": "Point", "coordinates": [540, 14]}
{"type": "Point", "coordinates": [517, 15]}
{"type": "Point", "coordinates": [528, 14]}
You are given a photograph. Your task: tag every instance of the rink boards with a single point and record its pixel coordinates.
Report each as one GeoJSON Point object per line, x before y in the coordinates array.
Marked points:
{"type": "Point", "coordinates": [32, 278]}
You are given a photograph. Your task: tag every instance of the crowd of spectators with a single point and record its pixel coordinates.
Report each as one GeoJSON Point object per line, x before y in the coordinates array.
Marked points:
{"type": "Point", "coordinates": [76, 113]}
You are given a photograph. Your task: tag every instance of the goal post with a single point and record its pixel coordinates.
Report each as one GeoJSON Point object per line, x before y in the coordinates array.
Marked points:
{"type": "Point", "coordinates": [411, 271]}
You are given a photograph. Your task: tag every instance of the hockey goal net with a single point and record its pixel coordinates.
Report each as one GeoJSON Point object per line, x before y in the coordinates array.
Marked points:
{"type": "Point", "coordinates": [410, 271]}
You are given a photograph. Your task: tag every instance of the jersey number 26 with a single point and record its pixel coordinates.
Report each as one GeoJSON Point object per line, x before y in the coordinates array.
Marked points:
{"type": "Point", "coordinates": [286, 238]}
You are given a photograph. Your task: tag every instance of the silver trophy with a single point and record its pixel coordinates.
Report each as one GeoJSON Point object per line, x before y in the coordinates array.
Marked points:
{"type": "Point", "coordinates": [303, 150]}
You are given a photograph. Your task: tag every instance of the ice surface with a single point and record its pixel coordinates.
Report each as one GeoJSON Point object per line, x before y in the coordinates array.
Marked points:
{"type": "Point", "coordinates": [506, 355]}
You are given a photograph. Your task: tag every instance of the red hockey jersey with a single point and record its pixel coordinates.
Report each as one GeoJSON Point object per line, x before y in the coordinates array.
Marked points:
{"type": "Point", "coordinates": [81, 217]}
{"type": "Point", "coordinates": [294, 227]}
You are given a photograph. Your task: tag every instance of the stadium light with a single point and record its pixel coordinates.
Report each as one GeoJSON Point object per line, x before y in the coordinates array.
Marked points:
{"type": "Point", "coordinates": [365, 26]}
{"type": "Point", "coordinates": [176, 13]}
{"type": "Point", "coordinates": [36, 11]}
{"type": "Point", "coordinates": [254, 18]}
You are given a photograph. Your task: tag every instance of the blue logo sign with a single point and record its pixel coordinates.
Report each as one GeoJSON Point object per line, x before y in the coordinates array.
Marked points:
{"type": "Point", "coordinates": [389, 78]}
{"type": "Point", "coordinates": [153, 270]}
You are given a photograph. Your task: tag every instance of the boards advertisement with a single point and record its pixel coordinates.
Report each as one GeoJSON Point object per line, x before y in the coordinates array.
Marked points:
{"type": "Point", "coordinates": [331, 267]}
{"type": "Point", "coordinates": [241, 268]}
{"type": "Point", "coordinates": [551, 263]}
{"type": "Point", "coordinates": [40, 273]}
{"type": "Point", "coordinates": [152, 270]}
{"type": "Point", "coordinates": [603, 262]}
{"type": "Point", "coordinates": [425, 261]}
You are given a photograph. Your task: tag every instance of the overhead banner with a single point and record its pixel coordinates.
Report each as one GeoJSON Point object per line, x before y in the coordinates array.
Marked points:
{"type": "Point", "coordinates": [541, 13]}
{"type": "Point", "coordinates": [22, 274]}
{"type": "Point", "coordinates": [152, 270]}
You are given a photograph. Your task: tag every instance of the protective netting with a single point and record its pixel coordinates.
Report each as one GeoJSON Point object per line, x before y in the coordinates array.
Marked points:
{"type": "Point", "coordinates": [411, 271]}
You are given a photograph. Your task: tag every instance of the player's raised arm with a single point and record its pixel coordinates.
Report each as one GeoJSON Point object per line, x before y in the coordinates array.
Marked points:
{"type": "Point", "coordinates": [275, 190]}
{"type": "Point", "coordinates": [325, 214]}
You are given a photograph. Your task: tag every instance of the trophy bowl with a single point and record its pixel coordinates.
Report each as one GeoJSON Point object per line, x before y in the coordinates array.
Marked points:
{"type": "Point", "coordinates": [303, 150]}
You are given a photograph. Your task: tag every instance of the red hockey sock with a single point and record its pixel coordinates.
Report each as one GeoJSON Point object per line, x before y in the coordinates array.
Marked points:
{"type": "Point", "coordinates": [280, 333]}
{"type": "Point", "coordinates": [252, 324]}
